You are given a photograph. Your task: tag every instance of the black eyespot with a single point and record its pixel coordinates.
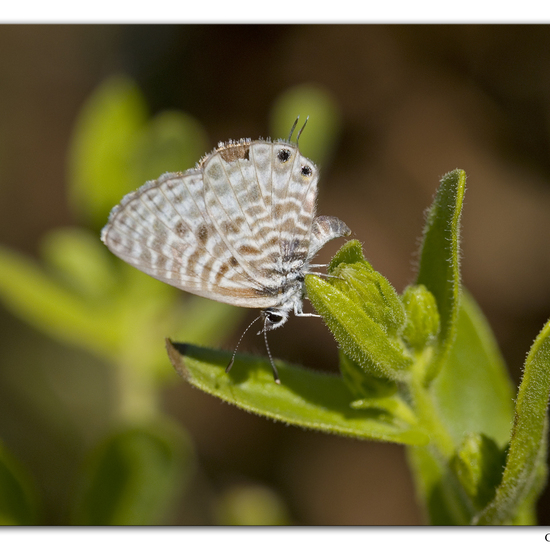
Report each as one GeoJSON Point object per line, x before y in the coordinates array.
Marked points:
{"type": "Point", "coordinates": [307, 171]}
{"type": "Point", "coordinates": [283, 155]}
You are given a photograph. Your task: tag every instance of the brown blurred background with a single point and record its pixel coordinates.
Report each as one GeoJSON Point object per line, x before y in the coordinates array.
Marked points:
{"type": "Point", "coordinates": [417, 101]}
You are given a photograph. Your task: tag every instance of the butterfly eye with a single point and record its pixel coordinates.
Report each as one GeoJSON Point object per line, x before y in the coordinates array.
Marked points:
{"type": "Point", "coordinates": [306, 171]}
{"type": "Point", "coordinates": [283, 155]}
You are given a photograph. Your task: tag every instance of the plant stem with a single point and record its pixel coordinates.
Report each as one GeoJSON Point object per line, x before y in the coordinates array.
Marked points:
{"type": "Point", "coordinates": [441, 447]}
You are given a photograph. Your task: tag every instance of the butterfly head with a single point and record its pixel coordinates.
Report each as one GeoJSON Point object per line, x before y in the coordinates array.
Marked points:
{"type": "Point", "coordinates": [274, 317]}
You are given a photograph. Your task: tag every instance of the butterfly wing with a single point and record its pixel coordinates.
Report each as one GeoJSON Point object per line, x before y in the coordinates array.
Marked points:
{"type": "Point", "coordinates": [165, 230]}
{"type": "Point", "coordinates": [262, 203]}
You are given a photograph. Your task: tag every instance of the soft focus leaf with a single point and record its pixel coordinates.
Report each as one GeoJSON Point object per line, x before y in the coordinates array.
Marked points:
{"type": "Point", "coordinates": [304, 398]}
{"type": "Point", "coordinates": [135, 477]}
{"type": "Point", "coordinates": [437, 489]}
{"type": "Point", "coordinates": [17, 494]}
{"type": "Point", "coordinates": [251, 505]}
{"type": "Point", "coordinates": [478, 464]}
{"type": "Point", "coordinates": [102, 151]}
{"type": "Point", "coordinates": [81, 261]}
{"type": "Point", "coordinates": [323, 130]}
{"type": "Point", "coordinates": [172, 142]}
{"type": "Point", "coordinates": [44, 302]}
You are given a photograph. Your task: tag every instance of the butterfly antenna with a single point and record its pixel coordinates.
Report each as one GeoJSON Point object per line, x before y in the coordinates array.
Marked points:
{"type": "Point", "coordinates": [275, 372]}
{"type": "Point", "coordinates": [301, 129]}
{"type": "Point", "coordinates": [228, 368]}
{"type": "Point", "coordinates": [293, 127]}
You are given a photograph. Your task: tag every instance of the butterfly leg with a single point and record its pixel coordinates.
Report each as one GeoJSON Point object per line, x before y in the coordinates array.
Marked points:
{"type": "Point", "coordinates": [299, 313]}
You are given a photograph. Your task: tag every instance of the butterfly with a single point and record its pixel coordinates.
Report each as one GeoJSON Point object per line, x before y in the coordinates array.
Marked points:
{"type": "Point", "coordinates": [240, 228]}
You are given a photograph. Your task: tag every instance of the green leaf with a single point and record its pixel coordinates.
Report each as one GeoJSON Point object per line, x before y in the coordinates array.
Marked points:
{"type": "Point", "coordinates": [422, 326]}
{"type": "Point", "coordinates": [439, 269]}
{"type": "Point", "coordinates": [101, 154]}
{"type": "Point", "coordinates": [81, 261]}
{"type": "Point", "coordinates": [363, 384]}
{"type": "Point", "coordinates": [474, 393]}
{"type": "Point", "coordinates": [135, 477]}
{"type": "Point", "coordinates": [172, 142]}
{"type": "Point", "coordinates": [436, 488]}
{"type": "Point", "coordinates": [478, 464]}
{"type": "Point", "coordinates": [44, 302]}
{"type": "Point", "coordinates": [18, 499]}
{"type": "Point", "coordinates": [525, 472]}
{"type": "Point", "coordinates": [349, 253]}
{"type": "Point", "coordinates": [304, 398]}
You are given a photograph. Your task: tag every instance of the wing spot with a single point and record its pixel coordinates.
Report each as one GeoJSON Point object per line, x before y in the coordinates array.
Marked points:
{"type": "Point", "coordinates": [283, 155]}
{"type": "Point", "coordinates": [202, 233]}
{"type": "Point", "coordinates": [181, 229]}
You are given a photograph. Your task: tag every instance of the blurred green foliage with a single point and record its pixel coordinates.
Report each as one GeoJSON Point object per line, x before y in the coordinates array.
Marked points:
{"type": "Point", "coordinates": [80, 294]}
{"type": "Point", "coordinates": [251, 505]}
{"type": "Point", "coordinates": [18, 495]}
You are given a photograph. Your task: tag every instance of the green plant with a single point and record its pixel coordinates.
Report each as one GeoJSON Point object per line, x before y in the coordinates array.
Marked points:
{"type": "Point", "coordinates": [420, 369]}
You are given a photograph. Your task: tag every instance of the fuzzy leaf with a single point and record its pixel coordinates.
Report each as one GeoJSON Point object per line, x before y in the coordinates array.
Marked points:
{"type": "Point", "coordinates": [439, 268]}
{"type": "Point", "coordinates": [478, 464]}
{"type": "Point", "coordinates": [304, 398]}
{"type": "Point", "coordinates": [525, 472]}
{"type": "Point", "coordinates": [422, 325]}
{"type": "Point", "coordinates": [363, 311]}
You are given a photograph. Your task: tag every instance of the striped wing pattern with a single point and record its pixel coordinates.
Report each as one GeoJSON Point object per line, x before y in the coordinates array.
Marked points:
{"type": "Point", "coordinates": [229, 230]}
